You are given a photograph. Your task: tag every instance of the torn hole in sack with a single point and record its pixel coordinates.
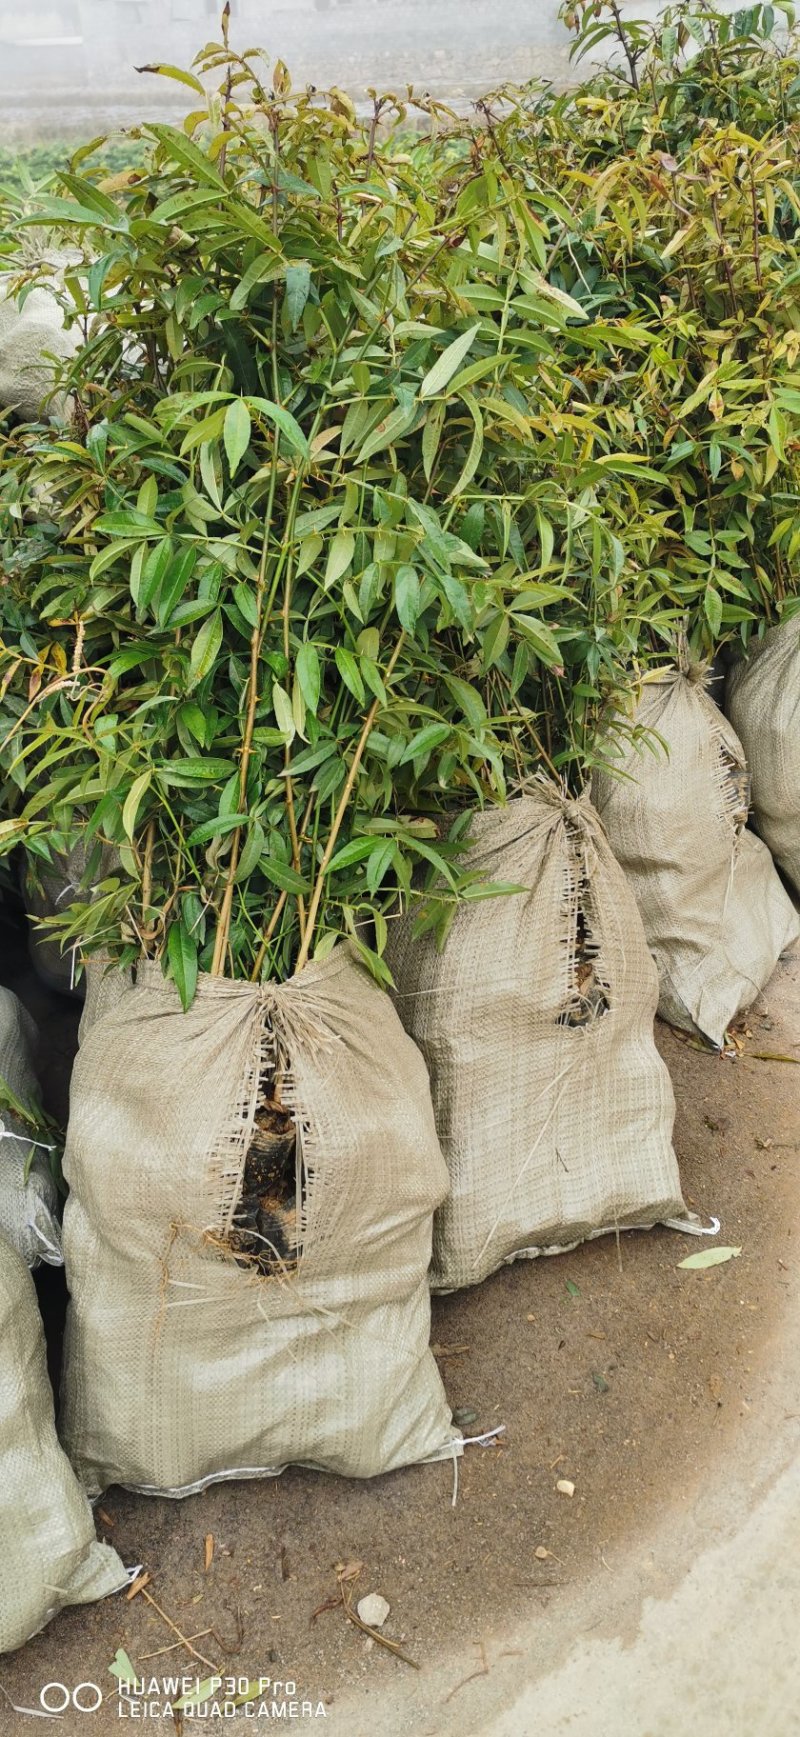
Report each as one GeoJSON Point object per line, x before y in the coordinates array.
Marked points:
{"type": "Point", "coordinates": [265, 1164]}
{"type": "Point", "coordinates": [587, 998]}
{"type": "Point", "coordinates": [264, 1230]}
{"type": "Point", "coordinates": [735, 787]}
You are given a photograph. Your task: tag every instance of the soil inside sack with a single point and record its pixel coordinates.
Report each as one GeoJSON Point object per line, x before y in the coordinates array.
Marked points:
{"type": "Point", "coordinates": [553, 1107]}
{"type": "Point", "coordinates": [715, 913]}
{"type": "Point", "coordinates": [28, 1195]}
{"type": "Point", "coordinates": [50, 1556]}
{"type": "Point", "coordinates": [262, 1298]}
{"type": "Point", "coordinates": [763, 704]}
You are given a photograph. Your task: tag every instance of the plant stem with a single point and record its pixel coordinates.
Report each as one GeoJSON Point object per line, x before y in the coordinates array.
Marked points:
{"type": "Point", "coordinates": [147, 876]}
{"type": "Point", "coordinates": [628, 52]}
{"type": "Point", "coordinates": [341, 810]}
{"type": "Point", "coordinates": [223, 926]}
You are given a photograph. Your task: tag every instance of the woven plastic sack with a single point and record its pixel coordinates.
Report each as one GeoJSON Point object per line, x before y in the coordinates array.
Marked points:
{"type": "Point", "coordinates": [714, 909]}
{"type": "Point", "coordinates": [552, 1104]}
{"type": "Point", "coordinates": [184, 1365]}
{"type": "Point", "coordinates": [28, 1197]}
{"type": "Point", "coordinates": [49, 889]}
{"type": "Point", "coordinates": [32, 342]}
{"type": "Point", "coordinates": [715, 913]}
{"type": "Point", "coordinates": [104, 986]}
{"type": "Point", "coordinates": [49, 1554]}
{"type": "Point", "coordinates": [763, 704]}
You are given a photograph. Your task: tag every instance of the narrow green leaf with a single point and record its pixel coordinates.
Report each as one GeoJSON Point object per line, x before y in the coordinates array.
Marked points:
{"type": "Point", "coordinates": [450, 360]}
{"type": "Point", "coordinates": [133, 801]}
{"type": "Point", "coordinates": [350, 673]}
{"type": "Point", "coordinates": [182, 956]}
{"type": "Point", "coordinates": [282, 707]}
{"type": "Point", "coordinates": [284, 421]}
{"type": "Point", "coordinates": [309, 674]}
{"type": "Point", "coordinates": [406, 597]}
{"type": "Point", "coordinates": [205, 648]}
{"type": "Point", "coordinates": [216, 828]}
{"type": "Point", "coordinates": [298, 284]}
{"type": "Point", "coordinates": [236, 433]}
{"type": "Point", "coordinates": [340, 554]}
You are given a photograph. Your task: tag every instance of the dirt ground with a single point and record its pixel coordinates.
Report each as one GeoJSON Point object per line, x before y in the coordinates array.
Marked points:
{"type": "Point", "coordinates": [607, 1366]}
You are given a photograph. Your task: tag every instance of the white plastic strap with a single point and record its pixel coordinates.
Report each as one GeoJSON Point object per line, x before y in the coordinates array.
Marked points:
{"type": "Point", "coordinates": [6, 1134]}
{"type": "Point", "coordinates": [696, 1229]}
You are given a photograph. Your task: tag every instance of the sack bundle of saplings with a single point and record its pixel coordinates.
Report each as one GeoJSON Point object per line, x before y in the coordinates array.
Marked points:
{"type": "Point", "coordinates": [50, 1556]}
{"type": "Point", "coordinates": [28, 1194]}
{"type": "Point", "coordinates": [762, 700]}
{"type": "Point", "coordinates": [257, 720]}
{"type": "Point", "coordinates": [248, 1235]}
{"type": "Point", "coordinates": [675, 810]}
{"type": "Point", "coordinates": [535, 1018]}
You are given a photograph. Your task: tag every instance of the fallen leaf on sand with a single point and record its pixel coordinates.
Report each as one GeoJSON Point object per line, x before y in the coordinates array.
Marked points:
{"type": "Point", "coordinates": [710, 1257]}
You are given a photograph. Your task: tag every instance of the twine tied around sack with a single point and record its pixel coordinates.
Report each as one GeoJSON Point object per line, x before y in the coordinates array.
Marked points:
{"type": "Point", "coordinates": [293, 1020]}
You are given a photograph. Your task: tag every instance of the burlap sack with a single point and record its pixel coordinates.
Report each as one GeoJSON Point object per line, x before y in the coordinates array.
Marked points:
{"type": "Point", "coordinates": [763, 704]}
{"type": "Point", "coordinates": [715, 914]}
{"type": "Point", "coordinates": [552, 1105]}
{"type": "Point", "coordinates": [28, 1196]}
{"type": "Point", "coordinates": [49, 1554]}
{"type": "Point", "coordinates": [183, 1366]}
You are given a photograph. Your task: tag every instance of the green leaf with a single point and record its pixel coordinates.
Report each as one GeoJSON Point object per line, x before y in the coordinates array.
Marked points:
{"type": "Point", "coordinates": [64, 211]}
{"type": "Point", "coordinates": [283, 876]}
{"type": "Point", "coordinates": [182, 956]}
{"type": "Point", "coordinates": [155, 566]}
{"type": "Point", "coordinates": [205, 648]}
{"type": "Point", "coordinates": [298, 284]}
{"type": "Point", "coordinates": [431, 436]}
{"type": "Point", "coordinates": [282, 707]}
{"type": "Point", "coordinates": [189, 771]}
{"type": "Point", "coordinates": [340, 555]}
{"type": "Point", "coordinates": [355, 851]}
{"type": "Point", "coordinates": [262, 269]}
{"type": "Point", "coordinates": [129, 524]}
{"type": "Point", "coordinates": [284, 421]}
{"type": "Point", "coordinates": [236, 433]}
{"type": "Point", "coordinates": [133, 801]}
{"type": "Point", "coordinates": [425, 740]}
{"type": "Point", "coordinates": [406, 597]}
{"type": "Point", "coordinates": [450, 360]}
{"type": "Point", "coordinates": [710, 1257]}
{"type": "Point", "coordinates": [177, 72]}
{"type": "Point", "coordinates": [539, 637]}
{"type": "Point", "coordinates": [309, 674]}
{"type": "Point", "coordinates": [473, 457]}
{"type": "Point", "coordinates": [712, 604]}
{"type": "Point", "coordinates": [251, 852]}
{"type": "Point", "coordinates": [216, 828]}
{"type": "Point", "coordinates": [350, 673]}
{"type": "Point", "coordinates": [381, 859]}
{"type": "Point", "coordinates": [184, 151]}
